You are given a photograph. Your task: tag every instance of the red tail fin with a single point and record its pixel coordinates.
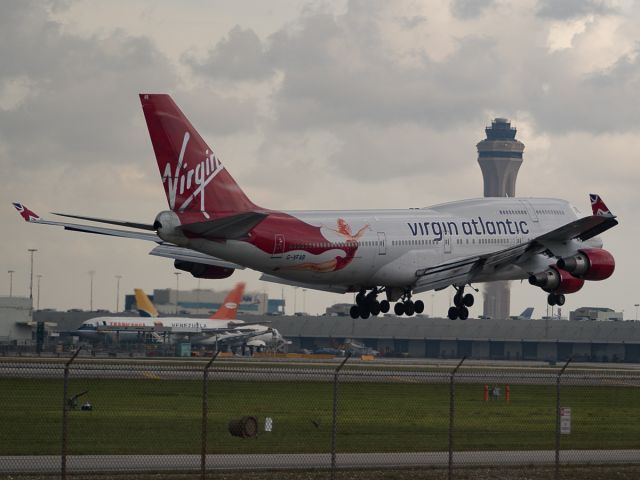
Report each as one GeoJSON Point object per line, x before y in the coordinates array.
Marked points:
{"type": "Point", "coordinates": [229, 307]}
{"type": "Point", "coordinates": [193, 177]}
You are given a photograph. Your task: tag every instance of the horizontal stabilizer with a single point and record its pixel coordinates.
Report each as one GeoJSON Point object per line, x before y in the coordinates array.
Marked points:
{"type": "Point", "coordinates": [228, 228]}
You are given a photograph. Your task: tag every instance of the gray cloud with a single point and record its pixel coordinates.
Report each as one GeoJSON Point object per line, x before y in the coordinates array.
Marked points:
{"type": "Point", "coordinates": [81, 90]}
{"type": "Point", "coordinates": [468, 9]}
{"type": "Point", "coordinates": [238, 56]}
{"type": "Point", "coordinates": [337, 69]}
{"type": "Point", "coordinates": [568, 9]}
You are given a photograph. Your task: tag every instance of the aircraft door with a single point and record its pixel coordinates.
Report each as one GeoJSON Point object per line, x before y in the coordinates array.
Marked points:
{"type": "Point", "coordinates": [382, 243]}
{"type": "Point", "coordinates": [447, 244]}
{"type": "Point", "coordinates": [278, 246]}
{"type": "Point", "coordinates": [530, 210]}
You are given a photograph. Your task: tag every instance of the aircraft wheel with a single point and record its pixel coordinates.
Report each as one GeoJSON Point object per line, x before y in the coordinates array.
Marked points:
{"type": "Point", "coordinates": [560, 299]}
{"type": "Point", "coordinates": [457, 300]}
{"type": "Point", "coordinates": [418, 306]}
{"type": "Point", "coordinates": [360, 298]}
{"type": "Point", "coordinates": [385, 306]}
{"type": "Point", "coordinates": [355, 311]}
{"type": "Point", "coordinates": [398, 309]}
{"type": "Point", "coordinates": [364, 312]}
{"type": "Point", "coordinates": [409, 308]}
{"type": "Point", "coordinates": [551, 299]}
{"type": "Point", "coordinates": [375, 308]}
{"type": "Point", "coordinates": [452, 313]}
{"type": "Point", "coordinates": [463, 313]}
{"type": "Point", "coordinates": [468, 300]}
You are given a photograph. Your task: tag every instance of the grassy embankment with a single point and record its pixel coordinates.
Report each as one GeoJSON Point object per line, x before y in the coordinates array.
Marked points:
{"type": "Point", "coordinates": [153, 415]}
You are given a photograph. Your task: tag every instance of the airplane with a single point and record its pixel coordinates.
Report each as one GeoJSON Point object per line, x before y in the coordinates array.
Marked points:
{"type": "Point", "coordinates": [212, 228]}
{"type": "Point", "coordinates": [525, 315]}
{"type": "Point", "coordinates": [221, 329]}
{"type": "Point", "coordinates": [228, 309]}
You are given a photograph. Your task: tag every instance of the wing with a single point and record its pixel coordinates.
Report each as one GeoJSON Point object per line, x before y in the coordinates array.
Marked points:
{"type": "Point", "coordinates": [233, 337]}
{"type": "Point", "coordinates": [32, 217]}
{"type": "Point", "coordinates": [162, 250]}
{"type": "Point", "coordinates": [466, 270]}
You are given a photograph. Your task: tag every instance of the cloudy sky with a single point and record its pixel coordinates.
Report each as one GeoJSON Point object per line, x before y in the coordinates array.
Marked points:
{"type": "Point", "coordinates": [310, 105]}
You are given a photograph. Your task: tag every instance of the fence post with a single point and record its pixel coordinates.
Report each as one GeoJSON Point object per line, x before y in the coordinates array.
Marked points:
{"type": "Point", "coordinates": [334, 425]}
{"type": "Point", "coordinates": [65, 410]}
{"type": "Point", "coordinates": [557, 469]}
{"type": "Point", "coordinates": [205, 413]}
{"type": "Point", "coordinates": [452, 398]}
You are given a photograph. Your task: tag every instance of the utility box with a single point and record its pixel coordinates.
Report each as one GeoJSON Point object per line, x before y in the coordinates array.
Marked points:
{"type": "Point", "coordinates": [183, 349]}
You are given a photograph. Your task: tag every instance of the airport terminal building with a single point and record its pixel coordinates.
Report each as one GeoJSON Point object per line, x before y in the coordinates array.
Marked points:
{"type": "Point", "coordinates": [540, 340]}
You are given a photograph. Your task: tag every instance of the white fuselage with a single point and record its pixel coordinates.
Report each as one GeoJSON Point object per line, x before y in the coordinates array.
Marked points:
{"type": "Point", "coordinates": [395, 244]}
{"type": "Point", "coordinates": [199, 330]}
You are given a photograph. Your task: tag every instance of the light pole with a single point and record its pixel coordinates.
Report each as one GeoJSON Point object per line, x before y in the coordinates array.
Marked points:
{"type": "Point", "coordinates": [177, 274]}
{"type": "Point", "coordinates": [636, 305]}
{"type": "Point", "coordinates": [304, 300]}
{"type": "Point", "coordinates": [11, 272]}
{"type": "Point", "coordinates": [118, 277]}
{"type": "Point", "coordinates": [91, 274]}
{"type": "Point", "coordinates": [39, 276]}
{"type": "Point", "coordinates": [31, 252]}
{"type": "Point", "coordinates": [295, 300]}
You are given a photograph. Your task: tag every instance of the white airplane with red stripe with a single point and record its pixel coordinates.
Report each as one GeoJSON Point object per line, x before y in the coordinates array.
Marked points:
{"type": "Point", "coordinates": [212, 228]}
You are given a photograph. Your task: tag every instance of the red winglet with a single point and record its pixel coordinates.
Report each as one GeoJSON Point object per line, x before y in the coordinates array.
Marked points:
{"type": "Point", "coordinates": [598, 207]}
{"type": "Point", "coordinates": [27, 214]}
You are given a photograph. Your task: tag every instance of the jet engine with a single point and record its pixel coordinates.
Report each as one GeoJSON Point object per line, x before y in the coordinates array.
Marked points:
{"type": "Point", "coordinates": [201, 270]}
{"type": "Point", "coordinates": [166, 225]}
{"type": "Point", "coordinates": [589, 264]}
{"type": "Point", "coordinates": [556, 280]}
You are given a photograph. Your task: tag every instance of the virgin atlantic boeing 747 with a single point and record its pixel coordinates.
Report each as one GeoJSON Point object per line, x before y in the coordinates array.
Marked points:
{"type": "Point", "coordinates": [213, 228]}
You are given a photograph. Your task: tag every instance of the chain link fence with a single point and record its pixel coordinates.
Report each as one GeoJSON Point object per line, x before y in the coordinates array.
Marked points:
{"type": "Point", "coordinates": [223, 418]}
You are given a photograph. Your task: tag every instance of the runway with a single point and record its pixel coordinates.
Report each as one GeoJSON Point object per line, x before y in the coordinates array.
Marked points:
{"type": "Point", "coordinates": [313, 373]}
{"type": "Point", "coordinates": [154, 463]}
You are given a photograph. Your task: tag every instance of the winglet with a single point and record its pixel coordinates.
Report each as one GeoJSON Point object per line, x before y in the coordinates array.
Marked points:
{"type": "Point", "coordinates": [27, 214]}
{"type": "Point", "coordinates": [598, 207]}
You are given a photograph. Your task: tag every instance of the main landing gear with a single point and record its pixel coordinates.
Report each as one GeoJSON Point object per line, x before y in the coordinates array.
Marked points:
{"type": "Point", "coordinates": [555, 299]}
{"type": "Point", "coordinates": [461, 302]}
{"type": "Point", "coordinates": [368, 305]}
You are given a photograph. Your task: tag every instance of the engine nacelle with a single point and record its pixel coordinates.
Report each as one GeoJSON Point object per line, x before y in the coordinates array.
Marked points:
{"type": "Point", "coordinates": [556, 280]}
{"type": "Point", "coordinates": [166, 224]}
{"type": "Point", "coordinates": [201, 270]}
{"type": "Point", "coordinates": [589, 264]}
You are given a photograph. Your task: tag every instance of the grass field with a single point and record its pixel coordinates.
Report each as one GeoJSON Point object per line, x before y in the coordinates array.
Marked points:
{"type": "Point", "coordinates": [151, 415]}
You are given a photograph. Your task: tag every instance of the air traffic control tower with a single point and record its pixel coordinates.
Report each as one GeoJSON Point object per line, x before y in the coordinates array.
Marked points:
{"type": "Point", "coordinates": [500, 157]}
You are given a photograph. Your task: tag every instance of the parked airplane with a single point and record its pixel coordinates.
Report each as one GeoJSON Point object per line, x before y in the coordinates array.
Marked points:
{"type": "Point", "coordinates": [212, 228]}
{"type": "Point", "coordinates": [221, 329]}
{"type": "Point", "coordinates": [525, 315]}
{"type": "Point", "coordinates": [228, 309]}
